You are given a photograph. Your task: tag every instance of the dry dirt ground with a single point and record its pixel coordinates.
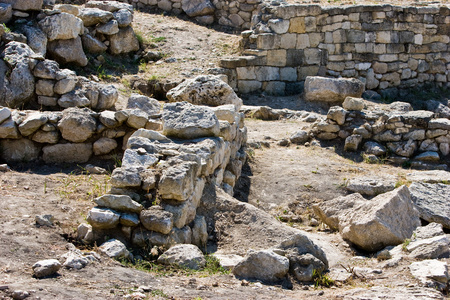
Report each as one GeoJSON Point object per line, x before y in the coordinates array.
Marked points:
{"type": "Point", "coordinates": [279, 180]}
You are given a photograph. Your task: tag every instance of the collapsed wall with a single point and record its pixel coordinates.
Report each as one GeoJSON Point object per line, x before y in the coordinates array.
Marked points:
{"type": "Point", "coordinates": [156, 191]}
{"type": "Point", "coordinates": [420, 139]}
{"type": "Point", "coordinates": [236, 14]}
{"type": "Point", "coordinates": [384, 46]}
{"type": "Point", "coordinates": [42, 39]}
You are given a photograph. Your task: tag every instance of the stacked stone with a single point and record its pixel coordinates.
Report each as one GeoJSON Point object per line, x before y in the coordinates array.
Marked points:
{"type": "Point", "coordinates": [73, 135]}
{"type": "Point", "coordinates": [385, 46]}
{"type": "Point", "coordinates": [413, 136]}
{"type": "Point", "coordinates": [65, 32]}
{"type": "Point", "coordinates": [157, 190]}
{"type": "Point", "coordinates": [233, 13]}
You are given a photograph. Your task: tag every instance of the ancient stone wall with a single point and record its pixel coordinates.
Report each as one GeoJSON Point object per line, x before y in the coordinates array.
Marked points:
{"type": "Point", "coordinates": [156, 191]}
{"type": "Point", "coordinates": [385, 46]}
{"type": "Point", "coordinates": [233, 13]}
{"type": "Point", "coordinates": [419, 139]}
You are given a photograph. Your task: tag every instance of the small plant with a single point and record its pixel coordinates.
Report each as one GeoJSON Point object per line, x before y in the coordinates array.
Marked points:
{"type": "Point", "coordinates": [316, 171]}
{"type": "Point", "coordinates": [321, 279]}
{"type": "Point", "coordinates": [7, 29]}
{"type": "Point", "coordinates": [159, 39]}
{"type": "Point", "coordinates": [159, 293]}
{"type": "Point", "coordinates": [213, 265]}
{"type": "Point", "coordinates": [406, 244]}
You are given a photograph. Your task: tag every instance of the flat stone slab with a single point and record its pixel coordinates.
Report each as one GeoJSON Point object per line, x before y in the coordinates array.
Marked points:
{"type": "Point", "coordinates": [432, 201]}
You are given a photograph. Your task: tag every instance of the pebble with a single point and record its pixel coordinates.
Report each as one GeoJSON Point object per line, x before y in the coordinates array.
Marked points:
{"type": "Point", "coordinates": [20, 294]}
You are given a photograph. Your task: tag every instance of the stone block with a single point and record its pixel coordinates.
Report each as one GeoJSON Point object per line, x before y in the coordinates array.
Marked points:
{"type": "Point", "coordinates": [267, 73]}
{"type": "Point", "coordinates": [297, 25]}
{"type": "Point", "coordinates": [313, 56]}
{"type": "Point", "coordinates": [246, 73]}
{"type": "Point", "coordinates": [276, 58]}
{"type": "Point", "coordinates": [303, 41]}
{"type": "Point", "coordinates": [294, 57]}
{"type": "Point", "coordinates": [274, 88]}
{"type": "Point", "coordinates": [268, 41]}
{"type": "Point", "coordinates": [315, 38]}
{"type": "Point", "coordinates": [304, 72]}
{"type": "Point", "coordinates": [288, 74]}
{"type": "Point", "coordinates": [288, 41]}
{"type": "Point", "coordinates": [249, 86]}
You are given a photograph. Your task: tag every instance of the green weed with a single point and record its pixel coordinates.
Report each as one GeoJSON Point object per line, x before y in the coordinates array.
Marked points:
{"type": "Point", "coordinates": [321, 279]}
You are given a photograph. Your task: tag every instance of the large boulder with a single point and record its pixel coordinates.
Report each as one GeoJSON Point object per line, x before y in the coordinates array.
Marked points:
{"type": "Point", "coordinates": [61, 26]}
{"type": "Point", "coordinates": [20, 150]}
{"type": "Point", "coordinates": [36, 39]}
{"type": "Point", "coordinates": [197, 7]}
{"type": "Point", "coordinates": [111, 6]}
{"type": "Point", "coordinates": [205, 90]}
{"type": "Point", "coordinates": [25, 5]}
{"type": "Point", "coordinates": [387, 219]}
{"type": "Point", "coordinates": [432, 201]}
{"type": "Point", "coordinates": [187, 256]}
{"type": "Point", "coordinates": [124, 41]}
{"type": "Point", "coordinates": [16, 80]}
{"type": "Point", "coordinates": [94, 16]}
{"type": "Point", "coordinates": [92, 44]}
{"type": "Point", "coordinates": [67, 153]}
{"type": "Point", "coordinates": [5, 13]}
{"type": "Point", "coordinates": [186, 121]}
{"type": "Point", "coordinates": [263, 265]}
{"type": "Point", "coordinates": [149, 105]}
{"type": "Point", "coordinates": [157, 219]}
{"type": "Point", "coordinates": [68, 51]}
{"type": "Point", "coordinates": [77, 125]}
{"type": "Point", "coordinates": [114, 249]}
{"type": "Point", "coordinates": [370, 186]}
{"type": "Point", "coordinates": [324, 89]}
{"type": "Point", "coordinates": [103, 218]}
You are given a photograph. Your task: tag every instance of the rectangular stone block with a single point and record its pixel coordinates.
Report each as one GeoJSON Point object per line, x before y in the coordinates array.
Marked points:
{"type": "Point", "coordinates": [356, 36]}
{"type": "Point", "coordinates": [383, 37]}
{"type": "Point", "coordinates": [303, 41]}
{"type": "Point", "coordinates": [315, 39]}
{"type": "Point", "coordinates": [336, 66]}
{"type": "Point", "coordinates": [268, 41]}
{"type": "Point", "coordinates": [364, 47]}
{"type": "Point", "coordinates": [388, 57]}
{"type": "Point", "coordinates": [288, 74]}
{"type": "Point", "coordinates": [313, 56]}
{"type": "Point", "coordinates": [310, 24]}
{"type": "Point", "coordinates": [249, 86]}
{"type": "Point", "coordinates": [274, 88]}
{"type": "Point", "coordinates": [339, 36]}
{"type": "Point", "coordinates": [297, 25]}
{"type": "Point", "coordinates": [379, 49]}
{"type": "Point", "coordinates": [294, 57]}
{"type": "Point", "coordinates": [304, 72]}
{"type": "Point", "coordinates": [288, 41]}
{"type": "Point", "coordinates": [276, 58]}
{"type": "Point", "coordinates": [395, 48]}
{"type": "Point", "coordinates": [246, 73]}
{"type": "Point", "coordinates": [267, 73]}
{"type": "Point", "coordinates": [406, 37]}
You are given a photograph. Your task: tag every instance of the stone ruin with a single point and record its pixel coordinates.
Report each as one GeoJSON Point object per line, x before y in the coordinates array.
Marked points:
{"type": "Point", "coordinates": [172, 154]}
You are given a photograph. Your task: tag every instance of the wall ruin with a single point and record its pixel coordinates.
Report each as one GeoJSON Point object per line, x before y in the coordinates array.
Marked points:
{"type": "Point", "coordinates": [385, 46]}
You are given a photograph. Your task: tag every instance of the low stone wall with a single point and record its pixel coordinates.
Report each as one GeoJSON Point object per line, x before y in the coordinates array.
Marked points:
{"type": "Point", "coordinates": [417, 138]}
{"type": "Point", "coordinates": [384, 46]}
{"type": "Point", "coordinates": [73, 135]}
{"type": "Point", "coordinates": [233, 13]}
{"type": "Point", "coordinates": [156, 192]}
